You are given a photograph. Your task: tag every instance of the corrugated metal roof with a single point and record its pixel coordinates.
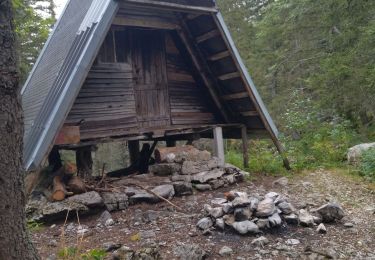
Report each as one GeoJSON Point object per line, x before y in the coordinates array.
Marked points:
{"type": "Point", "coordinates": [60, 72]}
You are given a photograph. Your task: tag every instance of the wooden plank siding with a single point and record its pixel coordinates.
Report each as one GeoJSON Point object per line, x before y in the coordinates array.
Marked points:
{"type": "Point", "coordinates": [187, 100]}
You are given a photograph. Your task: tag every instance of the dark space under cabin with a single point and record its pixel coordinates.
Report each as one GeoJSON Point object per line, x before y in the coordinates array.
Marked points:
{"type": "Point", "coordinates": [139, 70]}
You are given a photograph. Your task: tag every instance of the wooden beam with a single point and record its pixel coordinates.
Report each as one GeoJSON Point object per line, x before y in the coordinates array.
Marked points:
{"type": "Point", "coordinates": [173, 6]}
{"type": "Point", "coordinates": [192, 16]}
{"type": "Point", "coordinates": [197, 60]}
{"type": "Point", "coordinates": [148, 22]}
{"type": "Point", "coordinates": [245, 150]}
{"type": "Point", "coordinates": [250, 113]}
{"type": "Point", "coordinates": [134, 152]}
{"type": "Point", "coordinates": [219, 145]}
{"type": "Point", "coordinates": [219, 56]}
{"type": "Point", "coordinates": [230, 76]}
{"type": "Point", "coordinates": [68, 135]}
{"type": "Point", "coordinates": [207, 36]}
{"type": "Point", "coordinates": [236, 96]}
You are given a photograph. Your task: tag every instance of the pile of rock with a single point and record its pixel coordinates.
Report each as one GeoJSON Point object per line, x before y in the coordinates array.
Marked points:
{"type": "Point", "coordinates": [192, 168]}
{"type": "Point", "coordinates": [248, 214]}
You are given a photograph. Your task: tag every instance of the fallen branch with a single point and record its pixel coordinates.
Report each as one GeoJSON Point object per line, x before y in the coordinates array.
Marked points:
{"type": "Point", "coordinates": [157, 195]}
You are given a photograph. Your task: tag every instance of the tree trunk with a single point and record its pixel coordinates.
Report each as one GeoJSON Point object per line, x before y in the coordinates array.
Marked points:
{"type": "Point", "coordinates": [14, 239]}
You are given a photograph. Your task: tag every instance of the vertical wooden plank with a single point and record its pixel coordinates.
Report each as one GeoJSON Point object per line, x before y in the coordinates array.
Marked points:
{"type": "Point", "coordinates": [219, 145]}
{"type": "Point", "coordinates": [134, 152]}
{"type": "Point", "coordinates": [245, 149]}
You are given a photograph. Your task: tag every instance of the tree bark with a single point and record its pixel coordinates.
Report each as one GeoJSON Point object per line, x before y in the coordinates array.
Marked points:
{"type": "Point", "coordinates": [14, 239]}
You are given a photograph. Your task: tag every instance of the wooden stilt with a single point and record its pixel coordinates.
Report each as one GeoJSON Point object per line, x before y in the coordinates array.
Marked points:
{"type": "Point", "coordinates": [84, 161]}
{"type": "Point", "coordinates": [54, 159]}
{"type": "Point", "coordinates": [134, 152]}
{"type": "Point", "coordinates": [245, 149]}
{"type": "Point", "coordinates": [219, 145]}
{"type": "Point", "coordinates": [171, 143]}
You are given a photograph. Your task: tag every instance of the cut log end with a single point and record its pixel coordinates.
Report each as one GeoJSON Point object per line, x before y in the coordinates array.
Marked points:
{"type": "Point", "coordinates": [59, 190]}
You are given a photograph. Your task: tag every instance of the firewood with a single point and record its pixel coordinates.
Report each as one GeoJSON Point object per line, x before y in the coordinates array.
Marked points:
{"type": "Point", "coordinates": [76, 185]}
{"type": "Point", "coordinates": [59, 190]}
{"type": "Point", "coordinates": [162, 153]}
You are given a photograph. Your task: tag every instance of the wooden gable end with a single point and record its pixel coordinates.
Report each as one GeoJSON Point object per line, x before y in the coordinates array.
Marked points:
{"type": "Point", "coordinates": [140, 82]}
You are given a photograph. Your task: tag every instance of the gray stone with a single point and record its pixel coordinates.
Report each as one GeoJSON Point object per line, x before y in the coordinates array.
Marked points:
{"type": "Point", "coordinates": [90, 199]}
{"type": "Point", "coordinates": [183, 188]}
{"type": "Point", "coordinates": [35, 204]}
{"type": "Point", "coordinates": [229, 219]}
{"type": "Point", "coordinates": [241, 201]}
{"type": "Point", "coordinates": [321, 229]}
{"type": "Point", "coordinates": [110, 246]}
{"type": "Point", "coordinates": [272, 195]}
{"type": "Point", "coordinates": [220, 223]}
{"type": "Point", "coordinates": [104, 217]}
{"type": "Point", "coordinates": [218, 201]}
{"type": "Point", "coordinates": [109, 222]}
{"type": "Point", "coordinates": [260, 241]}
{"type": "Point", "coordinates": [254, 203]}
{"type": "Point", "coordinates": [115, 201]}
{"type": "Point", "coordinates": [216, 212]}
{"type": "Point", "coordinates": [207, 208]}
{"type": "Point", "coordinates": [275, 220]}
{"type": "Point", "coordinates": [184, 178]}
{"type": "Point", "coordinates": [151, 215]}
{"type": "Point", "coordinates": [241, 214]}
{"type": "Point", "coordinates": [245, 227]}
{"type": "Point", "coordinates": [293, 242]}
{"type": "Point", "coordinates": [189, 252]}
{"type": "Point", "coordinates": [282, 182]}
{"type": "Point", "coordinates": [330, 212]}
{"type": "Point", "coordinates": [165, 169]}
{"type": "Point", "coordinates": [230, 179]}
{"type": "Point", "coordinates": [192, 167]}
{"type": "Point", "coordinates": [202, 187]}
{"type": "Point", "coordinates": [205, 223]}
{"type": "Point", "coordinates": [355, 153]}
{"type": "Point", "coordinates": [166, 191]}
{"type": "Point", "coordinates": [305, 218]}
{"type": "Point", "coordinates": [348, 225]}
{"type": "Point", "coordinates": [263, 223]}
{"type": "Point", "coordinates": [226, 251]}
{"type": "Point", "coordinates": [123, 253]}
{"type": "Point", "coordinates": [58, 210]}
{"type": "Point", "coordinates": [286, 208]}
{"type": "Point", "coordinates": [131, 191]}
{"type": "Point", "coordinates": [216, 184]}
{"type": "Point", "coordinates": [291, 219]}
{"type": "Point", "coordinates": [265, 208]}
{"type": "Point", "coordinates": [228, 207]}
{"type": "Point", "coordinates": [204, 177]}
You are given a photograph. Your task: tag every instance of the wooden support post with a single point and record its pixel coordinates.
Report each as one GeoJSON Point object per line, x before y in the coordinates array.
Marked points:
{"type": "Point", "coordinates": [171, 143]}
{"type": "Point", "coordinates": [219, 145]}
{"type": "Point", "coordinates": [245, 149]}
{"type": "Point", "coordinates": [84, 161]}
{"type": "Point", "coordinates": [54, 159]}
{"type": "Point", "coordinates": [134, 152]}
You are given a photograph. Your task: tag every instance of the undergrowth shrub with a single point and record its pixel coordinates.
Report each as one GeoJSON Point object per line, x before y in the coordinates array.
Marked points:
{"type": "Point", "coordinates": [367, 165]}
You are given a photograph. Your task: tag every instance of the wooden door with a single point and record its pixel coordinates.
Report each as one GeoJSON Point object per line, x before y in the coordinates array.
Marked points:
{"type": "Point", "coordinates": [150, 78]}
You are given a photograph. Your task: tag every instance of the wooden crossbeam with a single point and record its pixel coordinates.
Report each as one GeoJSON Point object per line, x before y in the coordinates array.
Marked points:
{"type": "Point", "coordinates": [236, 96]}
{"type": "Point", "coordinates": [207, 36]}
{"type": "Point", "coordinates": [250, 113]}
{"type": "Point", "coordinates": [219, 56]}
{"type": "Point", "coordinates": [231, 75]}
{"type": "Point", "coordinates": [197, 60]}
{"type": "Point", "coordinates": [157, 23]}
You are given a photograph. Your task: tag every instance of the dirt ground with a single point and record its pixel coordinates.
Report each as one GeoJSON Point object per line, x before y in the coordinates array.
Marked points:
{"type": "Point", "coordinates": [136, 227]}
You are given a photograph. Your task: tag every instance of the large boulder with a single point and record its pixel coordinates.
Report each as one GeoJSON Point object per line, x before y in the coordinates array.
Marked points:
{"type": "Point", "coordinates": [192, 167]}
{"type": "Point", "coordinates": [244, 227]}
{"type": "Point", "coordinates": [58, 210]}
{"type": "Point", "coordinates": [330, 212]}
{"type": "Point", "coordinates": [355, 153]}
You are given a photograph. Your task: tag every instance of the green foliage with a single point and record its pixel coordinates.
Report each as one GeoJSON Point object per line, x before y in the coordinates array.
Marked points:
{"type": "Point", "coordinates": [73, 253]}
{"type": "Point", "coordinates": [34, 226]}
{"type": "Point", "coordinates": [32, 29]}
{"type": "Point", "coordinates": [367, 165]}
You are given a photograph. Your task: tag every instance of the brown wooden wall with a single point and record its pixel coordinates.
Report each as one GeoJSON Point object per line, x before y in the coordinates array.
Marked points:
{"type": "Point", "coordinates": [107, 104]}
{"type": "Point", "coordinates": [188, 101]}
